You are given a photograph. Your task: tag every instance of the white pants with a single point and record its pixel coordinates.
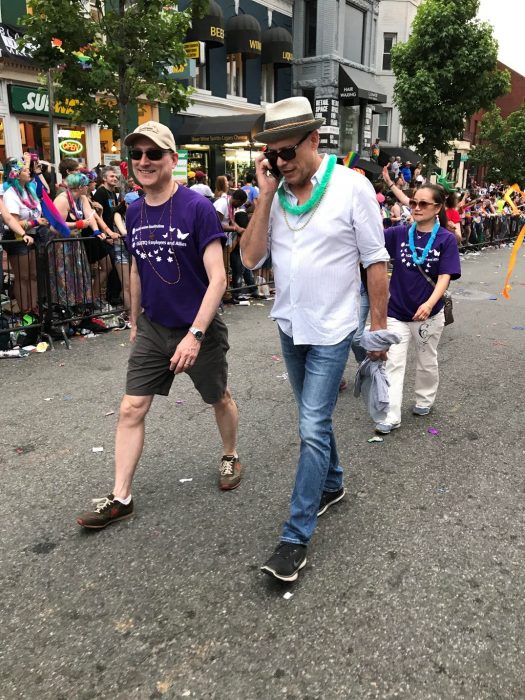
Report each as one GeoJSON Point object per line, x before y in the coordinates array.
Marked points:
{"type": "Point", "coordinates": [426, 335]}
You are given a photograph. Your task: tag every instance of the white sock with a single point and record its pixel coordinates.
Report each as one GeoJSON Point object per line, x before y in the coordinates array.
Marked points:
{"type": "Point", "coordinates": [124, 501]}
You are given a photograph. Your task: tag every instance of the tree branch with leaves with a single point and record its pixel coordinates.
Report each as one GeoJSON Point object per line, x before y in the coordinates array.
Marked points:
{"type": "Point", "coordinates": [113, 58]}
{"type": "Point", "coordinates": [445, 72]}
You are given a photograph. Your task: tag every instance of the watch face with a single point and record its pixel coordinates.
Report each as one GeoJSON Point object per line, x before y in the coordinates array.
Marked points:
{"type": "Point", "coordinates": [198, 334]}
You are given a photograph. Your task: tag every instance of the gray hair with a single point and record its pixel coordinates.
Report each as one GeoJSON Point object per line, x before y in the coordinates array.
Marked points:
{"type": "Point", "coordinates": [109, 169]}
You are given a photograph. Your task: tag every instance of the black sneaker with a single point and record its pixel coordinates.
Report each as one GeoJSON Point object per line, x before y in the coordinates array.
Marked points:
{"type": "Point", "coordinates": [329, 498]}
{"type": "Point", "coordinates": [107, 510]}
{"type": "Point", "coordinates": [286, 562]}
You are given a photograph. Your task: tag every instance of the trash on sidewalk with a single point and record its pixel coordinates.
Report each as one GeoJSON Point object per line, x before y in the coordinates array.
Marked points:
{"type": "Point", "coordinates": [42, 347]}
{"type": "Point", "coordinates": [183, 481]}
{"type": "Point", "coordinates": [17, 352]}
{"type": "Point", "coordinates": [434, 431]}
{"type": "Point", "coordinates": [97, 449]}
{"type": "Point", "coordinates": [376, 438]}
{"type": "Point", "coordinates": [288, 595]}
{"type": "Point", "coordinates": [109, 413]}
{"type": "Point", "coordinates": [276, 358]}
{"type": "Point", "coordinates": [244, 303]}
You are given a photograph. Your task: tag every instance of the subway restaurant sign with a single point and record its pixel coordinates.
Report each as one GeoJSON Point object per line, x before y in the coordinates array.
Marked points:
{"type": "Point", "coordinates": [29, 100]}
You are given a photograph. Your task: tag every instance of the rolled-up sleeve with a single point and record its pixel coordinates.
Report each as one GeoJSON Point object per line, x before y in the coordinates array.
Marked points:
{"type": "Point", "coordinates": [368, 227]}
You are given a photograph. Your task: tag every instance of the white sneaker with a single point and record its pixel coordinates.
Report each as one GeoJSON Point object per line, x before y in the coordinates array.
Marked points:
{"type": "Point", "coordinates": [385, 428]}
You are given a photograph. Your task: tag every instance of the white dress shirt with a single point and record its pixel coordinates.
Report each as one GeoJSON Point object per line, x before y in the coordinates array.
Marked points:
{"type": "Point", "coordinates": [316, 269]}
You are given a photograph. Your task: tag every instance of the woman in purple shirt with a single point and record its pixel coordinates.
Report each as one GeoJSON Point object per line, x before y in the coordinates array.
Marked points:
{"type": "Point", "coordinates": [415, 308]}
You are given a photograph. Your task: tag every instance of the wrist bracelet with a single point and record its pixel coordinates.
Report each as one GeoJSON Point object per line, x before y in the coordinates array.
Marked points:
{"type": "Point", "coordinates": [80, 224]}
{"type": "Point", "coordinates": [96, 232]}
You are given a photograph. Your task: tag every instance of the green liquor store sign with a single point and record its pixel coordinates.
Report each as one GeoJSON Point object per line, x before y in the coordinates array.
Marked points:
{"type": "Point", "coordinates": [32, 100]}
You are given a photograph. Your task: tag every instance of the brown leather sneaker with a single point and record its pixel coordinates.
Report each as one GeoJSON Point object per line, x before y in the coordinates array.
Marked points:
{"type": "Point", "coordinates": [230, 472]}
{"type": "Point", "coordinates": [107, 510]}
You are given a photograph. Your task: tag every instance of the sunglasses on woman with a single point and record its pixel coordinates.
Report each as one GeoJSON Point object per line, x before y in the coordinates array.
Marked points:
{"type": "Point", "coordinates": [287, 153]}
{"type": "Point", "coordinates": [150, 153]}
{"type": "Point", "coordinates": [414, 203]}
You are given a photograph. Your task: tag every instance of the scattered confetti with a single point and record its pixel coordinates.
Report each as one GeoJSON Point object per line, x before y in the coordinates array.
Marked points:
{"type": "Point", "coordinates": [50, 399]}
{"type": "Point", "coordinates": [179, 402]}
{"type": "Point", "coordinates": [284, 375]}
{"type": "Point", "coordinates": [19, 450]}
{"type": "Point", "coordinates": [182, 481]}
{"type": "Point", "coordinates": [518, 328]}
{"type": "Point", "coordinates": [276, 358]}
{"type": "Point", "coordinates": [376, 438]}
{"type": "Point", "coordinates": [97, 449]}
{"type": "Point", "coordinates": [288, 595]}
{"type": "Point", "coordinates": [434, 431]}
{"type": "Point", "coordinates": [492, 299]}
{"type": "Point", "coordinates": [109, 413]}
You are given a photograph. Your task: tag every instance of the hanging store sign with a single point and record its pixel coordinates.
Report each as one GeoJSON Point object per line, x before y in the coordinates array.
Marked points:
{"type": "Point", "coordinates": [328, 109]}
{"type": "Point", "coordinates": [192, 49]}
{"type": "Point", "coordinates": [9, 48]}
{"type": "Point", "coordinates": [30, 100]}
{"type": "Point", "coordinates": [183, 72]}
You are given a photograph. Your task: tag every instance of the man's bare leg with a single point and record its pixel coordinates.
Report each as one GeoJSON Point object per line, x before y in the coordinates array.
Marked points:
{"type": "Point", "coordinates": [129, 441]}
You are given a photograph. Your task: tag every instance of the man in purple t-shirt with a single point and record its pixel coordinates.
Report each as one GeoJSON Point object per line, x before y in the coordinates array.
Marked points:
{"type": "Point", "coordinates": [176, 285]}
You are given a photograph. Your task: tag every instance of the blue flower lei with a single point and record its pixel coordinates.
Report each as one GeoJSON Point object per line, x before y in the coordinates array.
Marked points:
{"type": "Point", "coordinates": [420, 259]}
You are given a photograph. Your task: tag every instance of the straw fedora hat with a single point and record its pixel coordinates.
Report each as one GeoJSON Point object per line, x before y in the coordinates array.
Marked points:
{"type": "Point", "coordinates": [290, 117]}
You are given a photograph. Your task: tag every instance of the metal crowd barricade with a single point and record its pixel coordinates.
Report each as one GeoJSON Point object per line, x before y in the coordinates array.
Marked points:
{"type": "Point", "coordinates": [240, 281]}
{"type": "Point", "coordinates": [495, 231]}
{"type": "Point", "coordinates": [50, 289]}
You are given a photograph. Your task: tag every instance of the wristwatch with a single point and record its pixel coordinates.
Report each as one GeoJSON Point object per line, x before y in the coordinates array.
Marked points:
{"type": "Point", "coordinates": [199, 335]}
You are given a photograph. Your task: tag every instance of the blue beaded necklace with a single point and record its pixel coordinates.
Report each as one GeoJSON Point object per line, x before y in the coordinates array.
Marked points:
{"type": "Point", "coordinates": [420, 259]}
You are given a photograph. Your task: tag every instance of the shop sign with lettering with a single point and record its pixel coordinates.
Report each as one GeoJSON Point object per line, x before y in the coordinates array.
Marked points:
{"type": "Point", "coordinates": [27, 100]}
{"type": "Point", "coordinates": [70, 147]}
{"type": "Point", "coordinates": [183, 72]}
{"type": "Point", "coordinates": [192, 49]}
{"type": "Point", "coordinates": [328, 108]}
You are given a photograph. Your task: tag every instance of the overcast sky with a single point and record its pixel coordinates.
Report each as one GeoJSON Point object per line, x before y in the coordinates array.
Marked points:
{"type": "Point", "coordinates": [508, 19]}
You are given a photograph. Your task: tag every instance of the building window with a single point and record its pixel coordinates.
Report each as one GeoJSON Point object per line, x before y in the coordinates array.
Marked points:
{"type": "Point", "coordinates": [354, 34]}
{"type": "Point", "coordinates": [235, 74]}
{"type": "Point", "coordinates": [268, 82]}
{"type": "Point", "coordinates": [384, 126]}
{"type": "Point", "coordinates": [389, 40]}
{"type": "Point", "coordinates": [310, 27]}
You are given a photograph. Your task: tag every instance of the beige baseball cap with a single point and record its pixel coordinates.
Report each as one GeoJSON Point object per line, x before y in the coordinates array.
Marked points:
{"type": "Point", "coordinates": [158, 133]}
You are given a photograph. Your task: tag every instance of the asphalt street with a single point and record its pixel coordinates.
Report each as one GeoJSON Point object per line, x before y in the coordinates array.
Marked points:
{"type": "Point", "coordinates": [414, 585]}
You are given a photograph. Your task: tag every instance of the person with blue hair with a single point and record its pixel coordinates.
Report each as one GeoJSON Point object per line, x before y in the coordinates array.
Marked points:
{"type": "Point", "coordinates": [22, 202]}
{"type": "Point", "coordinates": [74, 206]}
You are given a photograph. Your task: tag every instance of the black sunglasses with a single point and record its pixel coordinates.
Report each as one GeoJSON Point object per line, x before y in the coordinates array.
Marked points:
{"type": "Point", "coordinates": [150, 153]}
{"type": "Point", "coordinates": [287, 154]}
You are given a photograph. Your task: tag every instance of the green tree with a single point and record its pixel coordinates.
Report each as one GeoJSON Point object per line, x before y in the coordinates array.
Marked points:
{"type": "Point", "coordinates": [110, 58]}
{"type": "Point", "coordinates": [445, 72]}
{"type": "Point", "coordinates": [502, 147]}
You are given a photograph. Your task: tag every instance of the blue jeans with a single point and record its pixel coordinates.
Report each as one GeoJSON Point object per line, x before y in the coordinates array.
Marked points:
{"type": "Point", "coordinates": [359, 353]}
{"type": "Point", "coordinates": [315, 372]}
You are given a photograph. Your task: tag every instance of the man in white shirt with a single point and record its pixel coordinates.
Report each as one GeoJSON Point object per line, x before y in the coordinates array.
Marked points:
{"type": "Point", "coordinates": [200, 185]}
{"type": "Point", "coordinates": [320, 222]}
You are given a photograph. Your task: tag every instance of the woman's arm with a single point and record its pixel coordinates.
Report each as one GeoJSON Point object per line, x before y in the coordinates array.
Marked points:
{"type": "Point", "coordinates": [425, 309]}
{"type": "Point", "coordinates": [119, 223]}
{"type": "Point", "coordinates": [398, 193]}
{"type": "Point", "coordinates": [13, 221]}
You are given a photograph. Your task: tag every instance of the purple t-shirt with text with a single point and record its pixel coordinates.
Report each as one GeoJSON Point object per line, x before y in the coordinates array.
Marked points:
{"type": "Point", "coordinates": [168, 243]}
{"type": "Point", "coordinates": [408, 288]}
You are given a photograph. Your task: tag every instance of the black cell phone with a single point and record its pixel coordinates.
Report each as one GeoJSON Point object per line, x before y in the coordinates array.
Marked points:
{"type": "Point", "coordinates": [275, 171]}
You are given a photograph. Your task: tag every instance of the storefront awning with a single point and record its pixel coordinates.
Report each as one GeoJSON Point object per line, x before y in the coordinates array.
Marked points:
{"type": "Point", "coordinates": [357, 85]}
{"type": "Point", "coordinates": [219, 130]}
{"type": "Point", "coordinates": [243, 35]}
{"type": "Point", "coordinates": [277, 46]}
{"type": "Point", "coordinates": [9, 48]}
{"type": "Point", "coordinates": [209, 28]}
{"type": "Point", "coordinates": [405, 153]}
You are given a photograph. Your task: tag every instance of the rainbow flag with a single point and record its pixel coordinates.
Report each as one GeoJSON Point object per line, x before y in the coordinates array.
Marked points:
{"type": "Point", "coordinates": [53, 215]}
{"type": "Point", "coordinates": [350, 159]}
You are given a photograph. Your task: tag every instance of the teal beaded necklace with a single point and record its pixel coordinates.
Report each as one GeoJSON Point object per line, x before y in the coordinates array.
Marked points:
{"type": "Point", "coordinates": [315, 198]}
{"type": "Point", "coordinates": [420, 259]}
